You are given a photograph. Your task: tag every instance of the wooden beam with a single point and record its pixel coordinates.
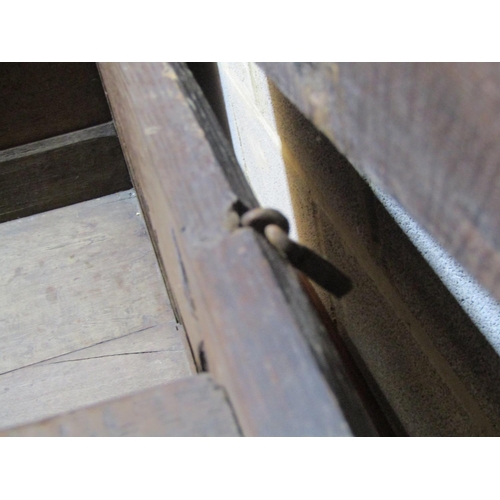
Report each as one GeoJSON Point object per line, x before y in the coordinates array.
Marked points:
{"type": "Point", "coordinates": [246, 315]}
{"type": "Point", "coordinates": [190, 407]}
{"type": "Point", "coordinates": [425, 133]}
{"type": "Point", "coordinates": [60, 171]}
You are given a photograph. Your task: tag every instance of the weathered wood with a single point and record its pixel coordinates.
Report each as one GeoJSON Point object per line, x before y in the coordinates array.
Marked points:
{"type": "Point", "coordinates": [426, 134]}
{"type": "Point", "coordinates": [244, 309]}
{"type": "Point", "coordinates": [41, 100]}
{"type": "Point", "coordinates": [191, 407]}
{"type": "Point", "coordinates": [98, 373]}
{"type": "Point", "coordinates": [60, 171]}
{"type": "Point", "coordinates": [75, 277]}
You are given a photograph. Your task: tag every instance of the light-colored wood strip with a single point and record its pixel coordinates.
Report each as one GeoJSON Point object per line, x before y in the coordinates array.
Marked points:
{"type": "Point", "coordinates": [77, 276]}
{"type": "Point", "coordinates": [194, 406]}
{"type": "Point", "coordinates": [109, 370]}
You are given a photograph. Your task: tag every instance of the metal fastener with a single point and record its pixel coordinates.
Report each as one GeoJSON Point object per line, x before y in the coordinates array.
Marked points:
{"type": "Point", "coordinates": [275, 227]}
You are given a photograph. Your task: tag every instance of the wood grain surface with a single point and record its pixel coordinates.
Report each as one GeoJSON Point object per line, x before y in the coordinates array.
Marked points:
{"type": "Point", "coordinates": [425, 133]}
{"type": "Point", "coordinates": [60, 171]}
{"type": "Point", "coordinates": [77, 276]}
{"type": "Point", "coordinates": [245, 312]}
{"type": "Point", "coordinates": [98, 373]}
{"type": "Point", "coordinates": [42, 100]}
{"type": "Point", "coordinates": [190, 407]}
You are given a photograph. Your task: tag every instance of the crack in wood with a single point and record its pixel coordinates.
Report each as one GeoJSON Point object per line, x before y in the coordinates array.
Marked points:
{"type": "Point", "coordinates": [112, 355]}
{"type": "Point", "coordinates": [44, 362]}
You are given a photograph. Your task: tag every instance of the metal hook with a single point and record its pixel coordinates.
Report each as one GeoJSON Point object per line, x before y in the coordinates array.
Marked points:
{"type": "Point", "coordinates": [275, 227]}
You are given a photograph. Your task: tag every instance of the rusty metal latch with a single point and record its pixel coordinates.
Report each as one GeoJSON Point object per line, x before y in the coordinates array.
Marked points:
{"type": "Point", "coordinates": [275, 227]}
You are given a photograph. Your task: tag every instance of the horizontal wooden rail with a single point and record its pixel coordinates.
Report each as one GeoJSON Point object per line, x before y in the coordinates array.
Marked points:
{"type": "Point", "coordinates": [248, 319]}
{"type": "Point", "coordinates": [60, 171]}
{"type": "Point", "coordinates": [426, 134]}
{"type": "Point", "coordinates": [193, 406]}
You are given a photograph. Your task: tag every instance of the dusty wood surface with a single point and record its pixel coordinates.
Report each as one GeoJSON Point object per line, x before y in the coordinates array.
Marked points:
{"type": "Point", "coordinates": [41, 100]}
{"type": "Point", "coordinates": [60, 171]}
{"type": "Point", "coordinates": [194, 406]}
{"type": "Point", "coordinates": [243, 307]}
{"type": "Point", "coordinates": [425, 133]}
{"type": "Point", "coordinates": [77, 276]}
{"type": "Point", "coordinates": [99, 373]}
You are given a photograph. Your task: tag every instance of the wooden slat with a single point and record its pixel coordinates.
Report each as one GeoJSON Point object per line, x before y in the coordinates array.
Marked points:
{"type": "Point", "coordinates": [194, 406]}
{"type": "Point", "coordinates": [61, 171]}
{"type": "Point", "coordinates": [42, 100]}
{"type": "Point", "coordinates": [104, 371]}
{"type": "Point", "coordinates": [243, 307]}
{"type": "Point", "coordinates": [426, 134]}
{"type": "Point", "coordinates": [75, 277]}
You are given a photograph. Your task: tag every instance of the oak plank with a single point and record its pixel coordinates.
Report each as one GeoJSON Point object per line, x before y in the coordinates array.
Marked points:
{"type": "Point", "coordinates": [190, 407]}
{"type": "Point", "coordinates": [42, 100]}
{"type": "Point", "coordinates": [60, 171]}
{"type": "Point", "coordinates": [77, 276]}
{"type": "Point", "coordinates": [99, 373]}
{"type": "Point", "coordinates": [425, 133]}
{"type": "Point", "coordinates": [245, 312]}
